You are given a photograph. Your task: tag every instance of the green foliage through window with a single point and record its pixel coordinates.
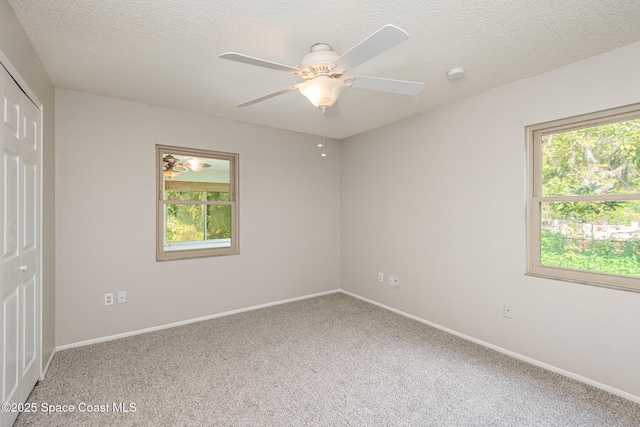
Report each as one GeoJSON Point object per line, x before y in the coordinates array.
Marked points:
{"type": "Point", "coordinates": [194, 222]}
{"type": "Point", "coordinates": [579, 231]}
{"type": "Point", "coordinates": [602, 159]}
{"type": "Point", "coordinates": [606, 256]}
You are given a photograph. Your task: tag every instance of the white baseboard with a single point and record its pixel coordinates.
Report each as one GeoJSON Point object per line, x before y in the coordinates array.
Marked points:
{"type": "Point", "coordinates": [527, 359]}
{"type": "Point", "coordinates": [543, 365]}
{"type": "Point", "coordinates": [43, 374]}
{"type": "Point", "coordinates": [184, 322]}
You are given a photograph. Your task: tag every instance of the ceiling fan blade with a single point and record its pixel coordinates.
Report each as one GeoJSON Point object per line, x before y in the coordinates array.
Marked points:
{"type": "Point", "coordinates": [383, 39]}
{"type": "Point", "coordinates": [238, 57]}
{"type": "Point", "coordinates": [267, 96]}
{"type": "Point", "coordinates": [388, 85]}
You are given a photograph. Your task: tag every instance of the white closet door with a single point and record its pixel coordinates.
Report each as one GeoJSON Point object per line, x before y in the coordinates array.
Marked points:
{"type": "Point", "coordinates": [20, 135]}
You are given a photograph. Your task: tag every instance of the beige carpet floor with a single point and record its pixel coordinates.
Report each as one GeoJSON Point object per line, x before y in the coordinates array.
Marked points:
{"type": "Point", "coordinates": [327, 361]}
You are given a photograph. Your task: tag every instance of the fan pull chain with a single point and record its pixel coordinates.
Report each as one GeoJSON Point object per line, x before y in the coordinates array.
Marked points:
{"type": "Point", "coordinates": [323, 144]}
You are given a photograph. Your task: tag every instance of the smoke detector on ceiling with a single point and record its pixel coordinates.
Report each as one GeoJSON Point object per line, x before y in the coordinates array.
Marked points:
{"type": "Point", "coordinates": [455, 73]}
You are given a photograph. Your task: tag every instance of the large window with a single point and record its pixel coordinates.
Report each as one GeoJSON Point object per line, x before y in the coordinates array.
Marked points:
{"type": "Point", "coordinates": [197, 204]}
{"type": "Point", "coordinates": [584, 198]}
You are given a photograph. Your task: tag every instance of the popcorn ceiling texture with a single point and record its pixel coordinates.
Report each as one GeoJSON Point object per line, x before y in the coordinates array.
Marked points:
{"type": "Point", "coordinates": [165, 52]}
{"type": "Point", "coordinates": [327, 361]}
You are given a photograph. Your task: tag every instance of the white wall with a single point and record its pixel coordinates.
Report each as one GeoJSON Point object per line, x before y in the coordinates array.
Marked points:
{"type": "Point", "coordinates": [105, 201]}
{"type": "Point", "coordinates": [15, 45]}
{"type": "Point", "coordinates": [439, 200]}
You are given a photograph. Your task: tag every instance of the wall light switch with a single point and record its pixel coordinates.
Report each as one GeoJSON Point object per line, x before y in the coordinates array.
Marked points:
{"type": "Point", "coordinates": [507, 311]}
{"type": "Point", "coordinates": [122, 297]}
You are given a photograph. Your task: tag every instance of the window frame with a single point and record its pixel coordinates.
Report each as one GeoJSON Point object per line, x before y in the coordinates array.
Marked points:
{"type": "Point", "coordinates": [535, 198]}
{"type": "Point", "coordinates": [191, 252]}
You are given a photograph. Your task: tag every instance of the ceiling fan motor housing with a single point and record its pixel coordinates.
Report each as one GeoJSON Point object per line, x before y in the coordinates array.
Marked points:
{"type": "Point", "coordinates": [320, 61]}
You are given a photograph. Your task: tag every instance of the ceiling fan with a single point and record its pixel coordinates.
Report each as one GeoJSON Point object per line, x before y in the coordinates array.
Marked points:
{"type": "Point", "coordinates": [172, 166]}
{"type": "Point", "coordinates": [324, 70]}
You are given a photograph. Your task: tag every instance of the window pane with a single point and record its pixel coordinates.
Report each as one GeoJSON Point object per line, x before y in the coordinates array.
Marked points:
{"type": "Point", "coordinates": [189, 178]}
{"type": "Point", "coordinates": [594, 236]}
{"type": "Point", "coordinates": [218, 222]}
{"type": "Point", "coordinates": [602, 159]}
{"type": "Point", "coordinates": [184, 223]}
{"type": "Point", "coordinates": [218, 196]}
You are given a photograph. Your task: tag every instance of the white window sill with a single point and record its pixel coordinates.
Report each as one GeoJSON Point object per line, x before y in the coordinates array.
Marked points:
{"type": "Point", "coordinates": [203, 244]}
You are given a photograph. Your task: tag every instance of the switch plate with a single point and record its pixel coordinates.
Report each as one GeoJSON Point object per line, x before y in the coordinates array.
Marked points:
{"type": "Point", "coordinates": [108, 299]}
{"type": "Point", "coordinates": [122, 297]}
{"type": "Point", "coordinates": [507, 311]}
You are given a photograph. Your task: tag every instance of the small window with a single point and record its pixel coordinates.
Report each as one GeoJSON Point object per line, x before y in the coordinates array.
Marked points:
{"type": "Point", "coordinates": [584, 198]}
{"type": "Point", "coordinates": [197, 205]}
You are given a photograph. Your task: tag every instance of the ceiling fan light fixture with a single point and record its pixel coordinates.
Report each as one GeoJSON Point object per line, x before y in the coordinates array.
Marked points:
{"type": "Point", "coordinates": [323, 91]}
{"type": "Point", "coordinates": [196, 165]}
{"type": "Point", "coordinates": [170, 173]}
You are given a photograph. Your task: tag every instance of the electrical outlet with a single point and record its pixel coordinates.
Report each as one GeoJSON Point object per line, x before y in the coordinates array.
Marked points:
{"type": "Point", "coordinates": [108, 299]}
{"type": "Point", "coordinates": [122, 297]}
{"type": "Point", "coordinates": [507, 311]}
{"type": "Point", "coordinates": [380, 277]}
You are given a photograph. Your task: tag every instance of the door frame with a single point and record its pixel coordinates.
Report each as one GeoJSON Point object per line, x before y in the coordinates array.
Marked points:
{"type": "Point", "coordinates": [24, 86]}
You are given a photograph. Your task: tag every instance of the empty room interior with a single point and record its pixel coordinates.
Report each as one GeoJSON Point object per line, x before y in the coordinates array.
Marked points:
{"type": "Point", "coordinates": [197, 231]}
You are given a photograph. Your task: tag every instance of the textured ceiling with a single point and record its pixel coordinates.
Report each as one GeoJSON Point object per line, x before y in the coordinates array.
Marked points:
{"type": "Point", "coordinates": [165, 52]}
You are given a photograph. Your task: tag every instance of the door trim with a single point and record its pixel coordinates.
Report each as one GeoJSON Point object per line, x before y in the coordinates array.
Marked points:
{"type": "Point", "coordinates": [4, 61]}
